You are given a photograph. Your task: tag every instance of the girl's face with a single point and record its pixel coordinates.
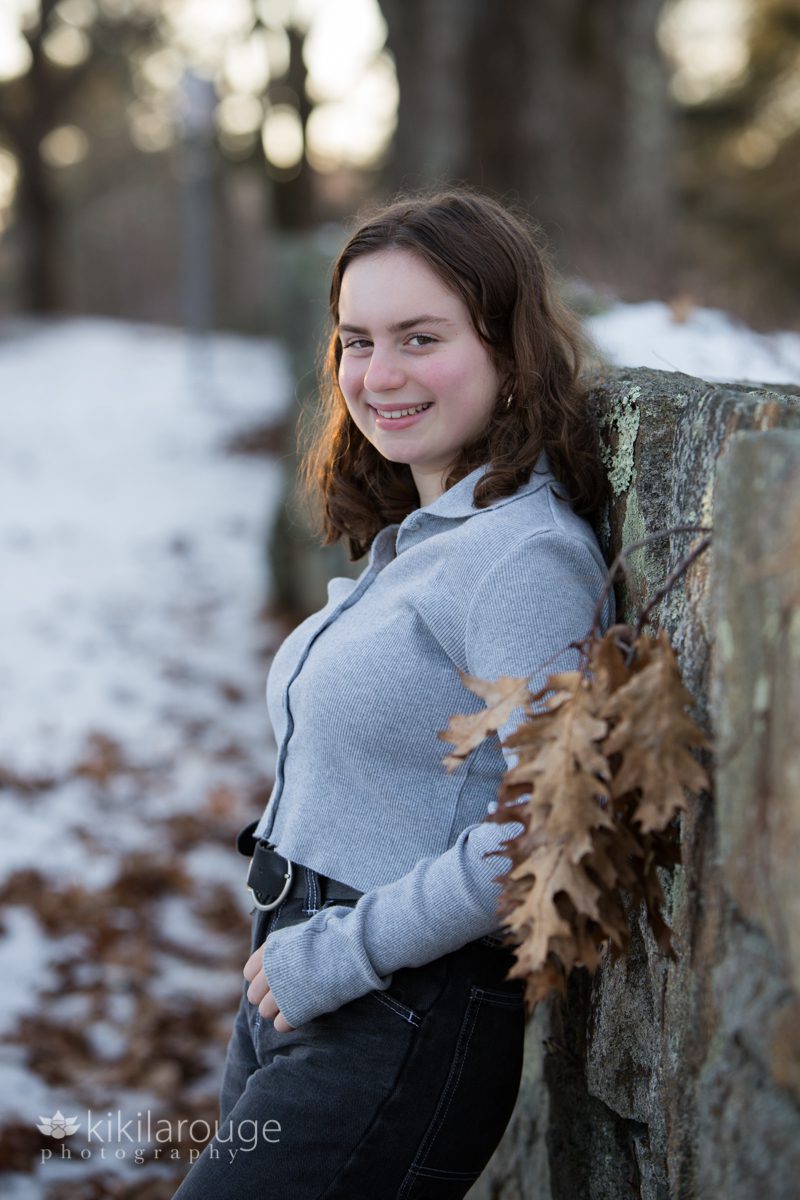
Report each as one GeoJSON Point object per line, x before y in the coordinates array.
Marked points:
{"type": "Point", "coordinates": [408, 343]}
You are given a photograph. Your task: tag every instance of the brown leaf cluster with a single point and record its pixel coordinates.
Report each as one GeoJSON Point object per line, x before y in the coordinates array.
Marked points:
{"type": "Point", "coordinates": [601, 772]}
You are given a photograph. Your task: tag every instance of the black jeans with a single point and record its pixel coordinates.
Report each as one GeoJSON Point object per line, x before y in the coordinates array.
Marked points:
{"type": "Point", "coordinates": [399, 1095]}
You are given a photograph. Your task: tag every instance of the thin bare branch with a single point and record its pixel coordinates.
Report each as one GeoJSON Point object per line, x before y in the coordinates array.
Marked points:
{"type": "Point", "coordinates": [674, 574]}
{"type": "Point", "coordinates": [620, 562]}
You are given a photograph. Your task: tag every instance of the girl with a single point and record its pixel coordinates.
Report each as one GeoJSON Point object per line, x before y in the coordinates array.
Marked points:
{"type": "Point", "coordinates": [377, 1050]}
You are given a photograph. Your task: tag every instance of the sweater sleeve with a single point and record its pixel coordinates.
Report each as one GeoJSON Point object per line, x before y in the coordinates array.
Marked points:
{"type": "Point", "coordinates": [515, 626]}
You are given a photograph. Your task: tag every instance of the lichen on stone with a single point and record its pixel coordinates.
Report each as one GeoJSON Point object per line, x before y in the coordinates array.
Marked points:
{"type": "Point", "coordinates": [622, 417]}
{"type": "Point", "coordinates": [634, 528]}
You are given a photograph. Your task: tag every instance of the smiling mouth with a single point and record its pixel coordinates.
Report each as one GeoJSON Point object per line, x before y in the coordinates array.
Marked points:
{"type": "Point", "coordinates": [401, 412]}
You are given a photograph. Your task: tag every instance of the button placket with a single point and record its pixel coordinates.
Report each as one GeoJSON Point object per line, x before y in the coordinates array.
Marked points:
{"type": "Point", "coordinates": [349, 600]}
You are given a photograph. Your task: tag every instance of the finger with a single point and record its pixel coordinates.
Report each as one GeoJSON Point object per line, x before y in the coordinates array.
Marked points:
{"type": "Point", "coordinates": [258, 989]}
{"type": "Point", "coordinates": [254, 963]}
{"type": "Point", "coordinates": [268, 1006]}
{"type": "Point", "coordinates": [282, 1025]}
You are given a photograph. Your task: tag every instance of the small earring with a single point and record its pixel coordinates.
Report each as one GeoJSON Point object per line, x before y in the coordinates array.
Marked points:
{"type": "Point", "coordinates": [509, 399]}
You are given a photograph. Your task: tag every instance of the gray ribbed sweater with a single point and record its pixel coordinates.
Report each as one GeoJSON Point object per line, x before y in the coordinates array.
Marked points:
{"type": "Point", "coordinates": [356, 695]}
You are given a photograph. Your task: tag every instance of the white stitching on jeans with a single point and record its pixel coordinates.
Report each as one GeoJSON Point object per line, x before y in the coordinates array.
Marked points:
{"type": "Point", "coordinates": [433, 1173]}
{"type": "Point", "coordinates": [407, 1014]}
{"type": "Point", "coordinates": [509, 999]}
{"type": "Point", "coordinates": [451, 1087]}
{"type": "Point", "coordinates": [312, 892]}
{"type": "Point", "coordinates": [457, 1079]}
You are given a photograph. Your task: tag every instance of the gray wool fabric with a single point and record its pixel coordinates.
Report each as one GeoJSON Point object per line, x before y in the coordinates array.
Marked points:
{"type": "Point", "coordinates": [357, 694]}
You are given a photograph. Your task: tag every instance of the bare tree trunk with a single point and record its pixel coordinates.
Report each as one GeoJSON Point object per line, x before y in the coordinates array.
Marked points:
{"type": "Point", "coordinates": [293, 197]}
{"type": "Point", "coordinates": [430, 41]}
{"type": "Point", "coordinates": [518, 85]}
{"type": "Point", "coordinates": [39, 220]}
{"type": "Point", "coordinates": [560, 104]}
{"type": "Point", "coordinates": [649, 255]}
{"type": "Point", "coordinates": [28, 106]}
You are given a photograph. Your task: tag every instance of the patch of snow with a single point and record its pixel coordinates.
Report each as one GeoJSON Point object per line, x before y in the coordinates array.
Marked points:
{"type": "Point", "coordinates": [176, 979]}
{"type": "Point", "coordinates": [132, 553]}
{"type": "Point", "coordinates": [27, 957]}
{"type": "Point", "coordinates": [178, 924]}
{"type": "Point", "coordinates": [709, 343]}
{"type": "Point", "coordinates": [129, 540]}
{"type": "Point", "coordinates": [24, 1096]}
{"type": "Point", "coordinates": [107, 1040]}
{"type": "Point", "coordinates": [217, 865]}
{"type": "Point", "coordinates": [23, 1187]}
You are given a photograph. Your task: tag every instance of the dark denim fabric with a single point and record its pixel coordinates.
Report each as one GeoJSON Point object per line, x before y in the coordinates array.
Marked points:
{"type": "Point", "coordinates": [399, 1095]}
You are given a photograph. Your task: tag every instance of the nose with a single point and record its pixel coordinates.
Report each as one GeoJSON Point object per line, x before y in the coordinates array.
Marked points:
{"type": "Point", "coordinates": [384, 373]}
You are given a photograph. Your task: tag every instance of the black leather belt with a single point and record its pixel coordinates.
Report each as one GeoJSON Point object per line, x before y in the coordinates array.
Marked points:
{"type": "Point", "coordinates": [273, 879]}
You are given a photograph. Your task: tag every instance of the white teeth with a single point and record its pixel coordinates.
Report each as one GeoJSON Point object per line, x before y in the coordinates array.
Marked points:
{"type": "Point", "coordinates": [404, 412]}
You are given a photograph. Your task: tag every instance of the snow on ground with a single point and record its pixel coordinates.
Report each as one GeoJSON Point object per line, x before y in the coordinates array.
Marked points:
{"type": "Point", "coordinates": [128, 536]}
{"type": "Point", "coordinates": [702, 341]}
{"type": "Point", "coordinates": [134, 738]}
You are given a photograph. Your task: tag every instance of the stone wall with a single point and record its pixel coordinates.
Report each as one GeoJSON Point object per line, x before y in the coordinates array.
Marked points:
{"type": "Point", "coordinates": [681, 1081]}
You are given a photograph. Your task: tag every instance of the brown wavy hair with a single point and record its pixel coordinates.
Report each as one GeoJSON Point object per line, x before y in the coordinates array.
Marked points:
{"type": "Point", "coordinates": [497, 262]}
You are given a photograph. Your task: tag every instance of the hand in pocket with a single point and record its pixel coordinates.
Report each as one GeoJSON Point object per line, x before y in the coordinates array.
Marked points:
{"type": "Point", "coordinates": [259, 991]}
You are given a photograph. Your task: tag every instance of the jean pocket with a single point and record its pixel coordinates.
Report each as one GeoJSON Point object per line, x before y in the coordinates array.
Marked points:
{"type": "Point", "coordinates": [413, 991]}
{"type": "Point", "coordinates": [477, 1099]}
{"type": "Point", "coordinates": [397, 1007]}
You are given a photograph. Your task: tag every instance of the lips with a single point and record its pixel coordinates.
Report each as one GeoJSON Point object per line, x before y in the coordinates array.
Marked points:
{"type": "Point", "coordinates": [406, 409]}
{"type": "Point", "coordinates": [416, 414]}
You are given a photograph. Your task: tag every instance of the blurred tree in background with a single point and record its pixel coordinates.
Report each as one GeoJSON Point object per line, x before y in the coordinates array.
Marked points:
{"type": "Point", "coordinates": [71, 59]}
{"type": "Point", "coordinates": [563, 103]}
{"type": "Point", "coordinates": [656, 140]}
{"type": "Point", "coordinates": [738, 170]}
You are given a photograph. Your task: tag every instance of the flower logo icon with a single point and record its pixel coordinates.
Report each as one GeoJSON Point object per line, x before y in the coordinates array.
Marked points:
{"type": "Point", "coordinates": [58, 1126]}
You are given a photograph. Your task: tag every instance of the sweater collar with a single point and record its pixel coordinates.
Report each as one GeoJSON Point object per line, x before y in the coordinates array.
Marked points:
{"type": "Point", "coordinates": [457, 503]}
{"type": "Point", "coordinates": [457, 500]}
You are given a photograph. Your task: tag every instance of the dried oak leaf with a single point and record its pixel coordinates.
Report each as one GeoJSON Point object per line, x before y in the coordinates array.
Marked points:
{"type": "Point", "coordinates": [548, 872]}
{"type": "Point", "coordinates": [567, 775]}
{"type": "Point", "coordinates": [653, 734]}
{"type": "Point", "coordinates": [536, 729]}
{"type": "Point", "coordinates": [600, 772]}
{"type": "Point", "coordinates": [609, 670]}
{"type": "Point", "coordinates": [539, 984]}
{"type": "Point", "coordinates": [563, 768]}
{"type": "Point", "coordinates": [468, 730]}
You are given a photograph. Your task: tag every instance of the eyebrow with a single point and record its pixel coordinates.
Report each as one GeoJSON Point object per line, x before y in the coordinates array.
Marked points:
{"type": "Point", "coordinates": [401, 326]}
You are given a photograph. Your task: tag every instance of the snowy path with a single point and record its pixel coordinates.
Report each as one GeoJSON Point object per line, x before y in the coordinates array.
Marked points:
{"type": "Point", "coordinates": [134, 738]}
